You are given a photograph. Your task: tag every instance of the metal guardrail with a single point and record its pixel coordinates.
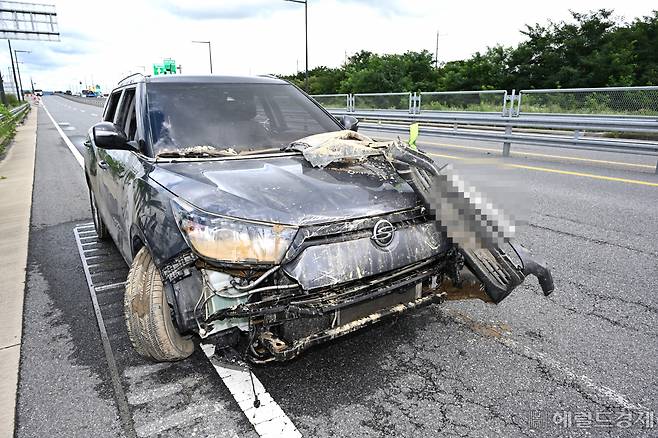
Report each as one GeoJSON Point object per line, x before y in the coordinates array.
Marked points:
{"type": "Point", "coordinates": [586, 117]}
{"type": "Point", "coordinates": [539, 130]}
{"type": "Point", "coordinates": [95, 101]}
{"type": "Point", "coordinates": [17, 110]}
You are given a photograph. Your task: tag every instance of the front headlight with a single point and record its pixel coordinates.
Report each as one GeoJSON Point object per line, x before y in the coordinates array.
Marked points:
{"type": "Point", "coordinates": [230, 240]}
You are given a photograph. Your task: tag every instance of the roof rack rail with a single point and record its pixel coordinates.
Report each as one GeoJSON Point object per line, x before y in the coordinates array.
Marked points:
{"type": "Point", "coordinates": [121, 82]}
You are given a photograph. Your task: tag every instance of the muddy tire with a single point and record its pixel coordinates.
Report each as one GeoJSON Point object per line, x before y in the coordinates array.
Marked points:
{"type": "Point", "coordinates": [99, 225]}
{"type": "Point", "coordinates": [148, 315]}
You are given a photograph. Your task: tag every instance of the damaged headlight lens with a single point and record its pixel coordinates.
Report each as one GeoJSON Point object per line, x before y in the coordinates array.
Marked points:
{"type": "Point", "coordinates": [230, 240]}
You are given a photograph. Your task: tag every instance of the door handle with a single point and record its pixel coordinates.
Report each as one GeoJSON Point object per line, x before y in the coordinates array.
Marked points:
{"type": "Point", "coordinates": [103, 164]}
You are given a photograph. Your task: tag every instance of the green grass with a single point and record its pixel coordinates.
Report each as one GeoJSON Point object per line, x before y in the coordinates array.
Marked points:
{"type": "Point", "coordinates": [7, 127]}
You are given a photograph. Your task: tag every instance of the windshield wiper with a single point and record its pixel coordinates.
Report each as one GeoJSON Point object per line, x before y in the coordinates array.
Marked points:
{"type": "Point", "coordinates": [196, 154]}
{"type": "Point", "coordinates": [262, 151]}
{"type": "Point", "coordinates": [210, 153]}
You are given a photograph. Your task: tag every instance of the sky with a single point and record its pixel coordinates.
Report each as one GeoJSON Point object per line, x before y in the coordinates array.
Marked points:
{"type": "Point", "coordinates": [103, 41]}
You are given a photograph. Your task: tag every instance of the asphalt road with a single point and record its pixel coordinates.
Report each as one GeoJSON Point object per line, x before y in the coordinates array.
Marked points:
{"type": "Point", "coordinates": [579, 363]}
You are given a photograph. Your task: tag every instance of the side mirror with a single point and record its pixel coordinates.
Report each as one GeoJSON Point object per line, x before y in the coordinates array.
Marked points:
{"type": "Point", "coordinates": [107, 135]}
{"type": "Point", "coordinates": [350, 122]}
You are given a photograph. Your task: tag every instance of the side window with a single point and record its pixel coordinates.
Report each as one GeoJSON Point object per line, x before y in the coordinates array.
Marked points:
{"type": "Point", "coordinates": [132, 123]}
{"type": "Point", "coordinates": [123, 118]}
{"type": "Point", "coordinates": [111, 107]}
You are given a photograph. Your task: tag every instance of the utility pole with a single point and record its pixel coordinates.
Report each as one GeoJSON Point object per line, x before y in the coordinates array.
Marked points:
{"type": "Point", "coordinates": [13, 68]}
{"type": "Point", "coordinates": [20, 81]}
{"type": "Point", "coordinates": [3, 97]}
{"type": "Point", "coordinates": [209, 52]}
{"type": "Point", "coordinates": [436, 52]}
{"type": "Point", "coordinates": [305, 3]}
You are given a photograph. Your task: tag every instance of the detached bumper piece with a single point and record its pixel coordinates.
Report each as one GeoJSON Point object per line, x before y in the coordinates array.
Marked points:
{"type": "Point", "coordinates": [282, 351]}
{"type": "Point", "coordinates": [478, 229]}
{"type": "Point", "coordinates": [500, 275]}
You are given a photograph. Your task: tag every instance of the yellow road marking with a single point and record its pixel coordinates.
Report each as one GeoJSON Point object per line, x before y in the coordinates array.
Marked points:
{"type": "Point", "coordinates": [586, 175]}
{"type": "Point", "coordinates": [545, 169]}
{"type": "Point", "coordinates": [537, 154]}
{"type": "Point", "coordinates": [446, 156]}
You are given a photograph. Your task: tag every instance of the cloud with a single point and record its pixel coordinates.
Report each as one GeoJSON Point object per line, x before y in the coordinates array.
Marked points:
{"type": "Point", "coordinates": [388, 8]}
{"type": "Point", "coordinates": [213, 10]}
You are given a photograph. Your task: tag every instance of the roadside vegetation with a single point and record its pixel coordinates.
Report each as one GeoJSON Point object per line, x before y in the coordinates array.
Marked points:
{"type": "Point", "coordinates": [8, 126]}
{"type": "Point", "coordinates": [594, 49]}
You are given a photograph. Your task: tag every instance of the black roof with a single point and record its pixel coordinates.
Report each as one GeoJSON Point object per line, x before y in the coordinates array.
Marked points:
{"type": "Point", "coordinates": [215, 78]}
{"type": "Point", "coordinates": [136, 78]}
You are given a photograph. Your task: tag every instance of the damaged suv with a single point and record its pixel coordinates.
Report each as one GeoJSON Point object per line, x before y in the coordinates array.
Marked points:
{"type": "Point", "coordinates": [252, 217]}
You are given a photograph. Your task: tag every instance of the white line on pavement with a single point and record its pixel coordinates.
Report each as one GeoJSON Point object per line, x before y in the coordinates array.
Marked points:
{"type": "Point", "coordinates": [74, 151]}
{"type": "Point", "coordinates": [268, 419]}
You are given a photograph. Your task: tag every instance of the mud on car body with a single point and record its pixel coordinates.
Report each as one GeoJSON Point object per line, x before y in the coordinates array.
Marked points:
{"type": "Point", "coordinates": [240, 233]}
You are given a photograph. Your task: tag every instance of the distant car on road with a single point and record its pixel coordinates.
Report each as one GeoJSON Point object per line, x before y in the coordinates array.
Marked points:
{"type": "Point", "coordinates": [234, 235]}
{"type": "Point", "coordinates": [67, 92]}
{"type": "Point", "coordinates": [38, 93]}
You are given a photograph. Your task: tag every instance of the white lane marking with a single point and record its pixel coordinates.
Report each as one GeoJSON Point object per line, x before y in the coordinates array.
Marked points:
{"type": "Point", "coordinates": [74, 151]}
{"type": "Point", "coordinates": [581, 381]}
{"type": "Point", "coordinates": [268, 419]}
{"type": "Point", "coordinates": [94, 114]}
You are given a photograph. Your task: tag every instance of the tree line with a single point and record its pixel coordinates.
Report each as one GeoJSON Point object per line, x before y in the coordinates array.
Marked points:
{"type": "Point", "coordinates": [595, 49]}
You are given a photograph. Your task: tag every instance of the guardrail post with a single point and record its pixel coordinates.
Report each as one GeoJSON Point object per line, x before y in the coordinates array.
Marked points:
{"type": "Point", "coordinates": [418, 102]}
{"type": "Point", "coordinates": [412, 102]}
{"type": "Point", "coordinates": [505, 104]}
{"type": "Point", "coordinates": [507, 144]}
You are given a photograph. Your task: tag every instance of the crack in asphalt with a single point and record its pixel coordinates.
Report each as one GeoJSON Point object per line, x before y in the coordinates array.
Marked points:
{"type": "Point", "coordinates": [575, 221]}
{"type": "Point", "coordinates": [598, 394]}
{"type": "Point", "coordinates": [597, 241]}
{"type": "Point", "coordinates": [582, 288]}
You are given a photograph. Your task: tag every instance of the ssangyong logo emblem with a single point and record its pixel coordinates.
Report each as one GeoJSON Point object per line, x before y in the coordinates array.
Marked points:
{"type": "Point", "coordinates": [382, 233]}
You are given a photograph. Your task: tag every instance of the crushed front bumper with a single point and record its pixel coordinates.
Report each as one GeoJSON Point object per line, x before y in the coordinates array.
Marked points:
{"type": "Point", "coordinates": [281, 350]}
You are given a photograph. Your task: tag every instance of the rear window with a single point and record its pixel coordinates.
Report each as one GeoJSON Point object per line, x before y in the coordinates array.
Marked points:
{"type": "Point", "coordinates": [243, 117]}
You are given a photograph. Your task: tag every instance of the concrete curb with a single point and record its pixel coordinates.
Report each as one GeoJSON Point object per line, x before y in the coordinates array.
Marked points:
{"type": "Point", "coordinates": [16, 180]}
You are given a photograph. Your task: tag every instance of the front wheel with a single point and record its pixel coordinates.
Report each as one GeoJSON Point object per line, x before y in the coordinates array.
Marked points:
{"type": "Point", "coordinates": [148, 315]}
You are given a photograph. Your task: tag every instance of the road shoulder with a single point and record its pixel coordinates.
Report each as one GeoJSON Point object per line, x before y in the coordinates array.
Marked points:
{"type": "Point", "coordinates": [16, 181]}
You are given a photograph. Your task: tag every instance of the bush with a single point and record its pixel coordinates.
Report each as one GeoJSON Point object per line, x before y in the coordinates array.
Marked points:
{"type": "Point", "coordinates": [12, 100]}
{"type": "Point", "coordinates": [7, 127]}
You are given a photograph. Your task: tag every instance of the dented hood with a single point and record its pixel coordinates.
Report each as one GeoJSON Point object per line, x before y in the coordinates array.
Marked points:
{"type": "Point", "coordinates": [287, 189]}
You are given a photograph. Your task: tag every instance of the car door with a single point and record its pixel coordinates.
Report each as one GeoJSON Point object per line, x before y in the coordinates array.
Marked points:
{"type": "Point", "coordinates": [98, 167]}
{"type": "Point", "coordinates": [114, 165]}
